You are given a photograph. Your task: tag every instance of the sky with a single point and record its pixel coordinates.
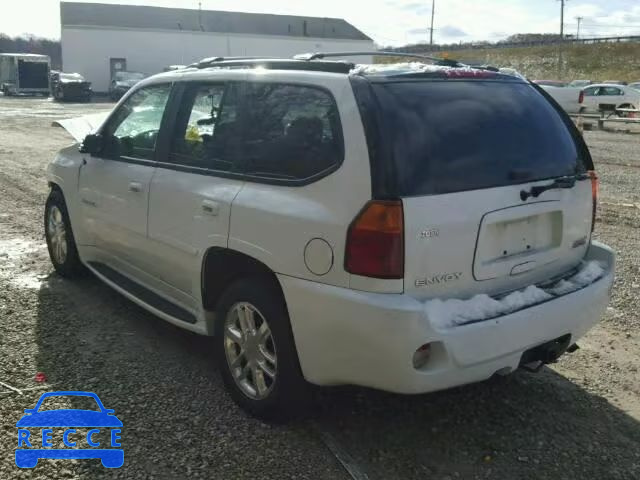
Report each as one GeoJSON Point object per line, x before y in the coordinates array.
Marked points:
{"type": "Point", "coordinates": [388, 22]}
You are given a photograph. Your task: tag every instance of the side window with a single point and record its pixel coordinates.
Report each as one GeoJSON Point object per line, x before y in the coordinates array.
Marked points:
{"type": "Point", "coordinates": [133, 130]}
{"type": "Point", "coordinates": [590, 92]}
{"type": "Point", "coordinates": [291, 132]}
{"type": "Point", "coordinates": [206, 134]}
{"type": "Point", "coordinates": [610, 91]}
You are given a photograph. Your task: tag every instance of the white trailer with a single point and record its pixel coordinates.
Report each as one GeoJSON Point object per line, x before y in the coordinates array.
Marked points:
{"type": "Point", "coordinates": [24, 73]}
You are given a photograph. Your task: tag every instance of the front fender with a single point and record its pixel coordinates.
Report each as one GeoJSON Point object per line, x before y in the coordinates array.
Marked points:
{"type": "Point", "coordinates": [64, 172]}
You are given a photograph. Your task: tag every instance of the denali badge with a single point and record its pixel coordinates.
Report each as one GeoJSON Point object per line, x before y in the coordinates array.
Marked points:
{"type": "Point", "coordinates": [437, 279]}
{"type": "Point", "coordinates": [432, 232]}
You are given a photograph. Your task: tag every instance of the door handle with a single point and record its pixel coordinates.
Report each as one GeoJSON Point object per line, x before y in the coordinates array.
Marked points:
{"type": "Point", "coordinates": [135, 187]}
{"type": "Point", "coordinates": [209, 207]}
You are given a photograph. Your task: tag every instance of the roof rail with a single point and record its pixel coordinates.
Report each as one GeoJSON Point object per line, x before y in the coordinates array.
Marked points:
{"type": "Point", "coordinates": [273, 64]}
{"type": "Point", "coordinates": [209, 61]}
{"type": "Point", "coordinates": [322, 55]}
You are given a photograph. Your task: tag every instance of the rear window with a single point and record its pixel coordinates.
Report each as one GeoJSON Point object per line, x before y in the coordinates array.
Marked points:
{"type": "Point", "coordinates": [444, 136]}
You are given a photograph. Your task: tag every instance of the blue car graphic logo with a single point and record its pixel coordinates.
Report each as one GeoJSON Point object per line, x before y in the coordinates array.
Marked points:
{"type": "Point", "coordinates": [69, 420]}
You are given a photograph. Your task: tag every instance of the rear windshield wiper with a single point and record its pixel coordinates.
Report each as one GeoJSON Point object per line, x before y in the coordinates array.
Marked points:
{"type": "Point", "coordinates": [562, 182]}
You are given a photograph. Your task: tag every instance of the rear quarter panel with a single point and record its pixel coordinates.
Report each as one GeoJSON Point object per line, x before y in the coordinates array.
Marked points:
{"type": "Point", "coordinates": [274, 223]}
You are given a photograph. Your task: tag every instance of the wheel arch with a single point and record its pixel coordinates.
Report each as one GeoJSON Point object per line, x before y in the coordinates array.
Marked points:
{"type": "Point", "coordinates": [223, 266]}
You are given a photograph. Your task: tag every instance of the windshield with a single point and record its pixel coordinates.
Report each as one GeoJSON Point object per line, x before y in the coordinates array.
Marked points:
{"type": "Point", "coordinates": [438, 137]}
{"type": "Point", "coordinates": [129, 76]}
{"type": "Point", "coordinates": [71, 76]}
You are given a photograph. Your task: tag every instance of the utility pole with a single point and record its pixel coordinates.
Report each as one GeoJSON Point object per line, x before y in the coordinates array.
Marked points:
{"type": "Point", "coordinates": [560, 44]}
{"type": "Point", "coordinates": [433, 12]}
{"type": "Point", "coordinates": [579, 19]}
{"type": "Point", "coordinates": [562, 20]}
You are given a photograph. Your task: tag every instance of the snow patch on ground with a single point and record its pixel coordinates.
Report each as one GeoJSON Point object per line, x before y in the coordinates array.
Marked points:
{"type": "Point", "coordinates": [452, 312]}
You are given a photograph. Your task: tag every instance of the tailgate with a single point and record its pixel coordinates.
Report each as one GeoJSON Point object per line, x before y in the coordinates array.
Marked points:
{"type": "Point", "coordinates": [489, 241]}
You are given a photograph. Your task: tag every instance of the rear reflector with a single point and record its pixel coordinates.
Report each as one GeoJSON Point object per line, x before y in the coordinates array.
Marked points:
{"type": "Point", "coordinates": [375, 241]}
{"type": "Point", "coordinates": [595, 185]}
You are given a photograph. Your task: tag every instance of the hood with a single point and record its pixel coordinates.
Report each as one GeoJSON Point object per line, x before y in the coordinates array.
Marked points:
{"type": "Point", "coordinates": [69, 418]}
{"type": "Point", "coordinates": [80, 127]}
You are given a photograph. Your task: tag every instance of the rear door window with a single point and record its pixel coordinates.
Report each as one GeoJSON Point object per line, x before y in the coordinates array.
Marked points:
{"type": "Point", "coordinates": [290, 132]}
{"type": "Point", "coordinates": [443, 136]}
{"type": "Point", "coordinates": [206, 133]}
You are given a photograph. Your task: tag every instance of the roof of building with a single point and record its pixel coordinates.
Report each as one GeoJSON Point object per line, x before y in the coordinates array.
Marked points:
{"type": "Point", "coordinates": [160, 18]}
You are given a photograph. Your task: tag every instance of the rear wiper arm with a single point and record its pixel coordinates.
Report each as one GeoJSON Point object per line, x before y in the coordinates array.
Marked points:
{"type": "Point", "coordinates": [563, 182]}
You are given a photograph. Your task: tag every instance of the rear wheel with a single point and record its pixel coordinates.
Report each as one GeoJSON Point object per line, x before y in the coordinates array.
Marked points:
{"type": "Point", "coordinates": [256, 352]}
{"type": "Point", "coordinates": [60, 242]}
{"type": "Point", "coordinates": [626, 114]}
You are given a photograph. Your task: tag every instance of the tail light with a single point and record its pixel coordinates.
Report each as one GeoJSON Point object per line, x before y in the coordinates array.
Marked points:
{"type": "Point", "coordinates": [375, 241]}
{"type": "Point", "coordinates": [581, 97]}
{"type": "Point", "coordinates": [595, 184]}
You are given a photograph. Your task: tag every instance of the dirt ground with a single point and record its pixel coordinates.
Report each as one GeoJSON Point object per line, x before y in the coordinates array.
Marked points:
{"type": "Point", "coordinates": [579, 418]}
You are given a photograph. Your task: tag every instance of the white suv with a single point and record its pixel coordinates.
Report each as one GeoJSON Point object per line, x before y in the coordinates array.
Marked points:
{"type": "Point", "coordinates": [409, 227]}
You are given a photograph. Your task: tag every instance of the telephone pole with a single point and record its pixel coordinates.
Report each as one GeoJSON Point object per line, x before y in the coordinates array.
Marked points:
{"type": "Point", "coordinates": [579, 19]}
{"type": "Point", "coordinates": [562, 19]}
{"type": "Point", "coordinates": [560, 44]}
{"type": "Point", "coordinates": [433, 12]}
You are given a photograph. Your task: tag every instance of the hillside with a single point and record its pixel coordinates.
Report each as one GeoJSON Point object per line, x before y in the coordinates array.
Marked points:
{"type": "Point", "coordinates": [597, 62]}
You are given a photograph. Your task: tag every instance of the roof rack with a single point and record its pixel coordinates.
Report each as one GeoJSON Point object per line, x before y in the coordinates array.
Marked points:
{"type": "Point", "coordinates": [322, 55]}
{"type": "Point", "coordinates": [273, 64]}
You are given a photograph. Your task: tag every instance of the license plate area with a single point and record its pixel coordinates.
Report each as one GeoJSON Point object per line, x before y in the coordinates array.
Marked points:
{"type": "Point", "coordinates": [520, 236]}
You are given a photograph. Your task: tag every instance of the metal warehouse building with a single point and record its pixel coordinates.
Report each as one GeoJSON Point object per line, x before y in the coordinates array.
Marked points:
{"type": "Point", "coordinates": [98, 39]}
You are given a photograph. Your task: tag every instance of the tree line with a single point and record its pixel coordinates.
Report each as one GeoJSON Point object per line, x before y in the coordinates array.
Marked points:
{"type": "Point", "coordinates": [33, 44]}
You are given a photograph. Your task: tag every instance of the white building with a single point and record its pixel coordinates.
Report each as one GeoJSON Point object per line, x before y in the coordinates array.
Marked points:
{"type": "Point", "coordinates": [98, 39]}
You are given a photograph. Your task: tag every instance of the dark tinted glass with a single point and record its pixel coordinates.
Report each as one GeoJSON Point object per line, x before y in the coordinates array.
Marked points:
{"type": "Point", "coordinates": [206, 133]}
{"type": "Point", "coordinates": [291, 132]}
{"type": "Point", "coordinates": [449, 136]}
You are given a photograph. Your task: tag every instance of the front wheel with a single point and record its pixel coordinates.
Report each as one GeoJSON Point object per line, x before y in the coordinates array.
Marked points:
{"type": "Point", "coordinates": [60, 242]}
{"type": "Point", "coordinates": [256, 352]}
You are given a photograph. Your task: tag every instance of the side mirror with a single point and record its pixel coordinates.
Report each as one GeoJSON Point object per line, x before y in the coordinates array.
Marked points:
{"type": "Point", "coordinates": [30, 410]}
{"type": "Point", "coordinates": [92, 144]}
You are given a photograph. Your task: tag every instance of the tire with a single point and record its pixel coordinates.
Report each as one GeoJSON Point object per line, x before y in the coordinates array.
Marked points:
{"type": "Point", "coordinates": [625, 114]}
{"type": "Point", "coordinates": [60, 241]}
{"type": "Point", "coordinates": [287, 392]}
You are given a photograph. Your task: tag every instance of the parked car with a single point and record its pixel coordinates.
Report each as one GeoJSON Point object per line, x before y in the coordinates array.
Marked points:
{"type": "Point", "coordinates": [550, 83]}
{"type": "Point", "coordinates": [614, 82]}
{"type": "Point", "coordinates": [579, 83]}
{"type": "Point", "coordinates": [70, 86]}
{"type": "Point", "coordinates": [122, 82]}
{"type": "Point", "coordinates": [408, 228]}
{"type": "Point", "coordinates": [621, 96]}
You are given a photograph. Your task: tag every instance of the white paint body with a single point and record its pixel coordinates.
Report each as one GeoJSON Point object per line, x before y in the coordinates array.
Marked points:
{"type": "Point", "coordinates": [87, 50]}
{"type": "Point", "coordinates": [602, 94]}
{"type": "Point", "coordinates": [154, 225]}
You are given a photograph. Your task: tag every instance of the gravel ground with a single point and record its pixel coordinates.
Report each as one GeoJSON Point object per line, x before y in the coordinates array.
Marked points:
{"type": "Point", "coordinates": [579, 418]}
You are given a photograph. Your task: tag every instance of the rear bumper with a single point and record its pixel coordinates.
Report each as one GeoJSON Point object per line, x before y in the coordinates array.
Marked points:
{"type": "Point", "coordinates": [350, 337]}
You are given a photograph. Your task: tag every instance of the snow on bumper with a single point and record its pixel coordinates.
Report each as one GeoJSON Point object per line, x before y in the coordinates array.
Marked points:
{"type": "Point", "coordinates": [349, 337]}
